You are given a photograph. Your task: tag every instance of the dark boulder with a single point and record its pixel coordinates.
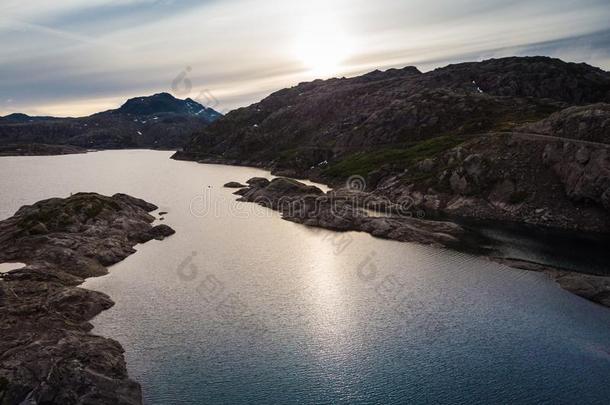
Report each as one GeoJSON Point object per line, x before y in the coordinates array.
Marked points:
{"type": "Point", "coordinates": [258, 182]}
{"type": "Point", "coordinates": [234, 184]}
{"type": "Point", "coordinates": [160, 232]}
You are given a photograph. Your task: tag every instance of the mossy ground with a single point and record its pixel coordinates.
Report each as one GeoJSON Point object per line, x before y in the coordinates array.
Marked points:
{"type": "Point", "coordinates": [363, 163]}
{"type": "Point", "coordinates": [4, 383]}
{"type": "Point", "coordinates": [59, 215]}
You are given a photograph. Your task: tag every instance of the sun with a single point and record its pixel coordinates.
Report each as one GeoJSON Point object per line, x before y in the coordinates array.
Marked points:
{"type": "Point", "coordinates": [323, 49]}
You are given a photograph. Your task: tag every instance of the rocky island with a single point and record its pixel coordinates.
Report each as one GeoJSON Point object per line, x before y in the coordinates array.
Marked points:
{"type": "Point", "coordinates": [47, 353]}
{"type": "Point", "coordinates": [347, 210]}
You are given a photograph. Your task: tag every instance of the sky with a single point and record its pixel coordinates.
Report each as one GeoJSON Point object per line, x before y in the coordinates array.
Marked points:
{"type": "Point", "coordinates": [77, 57]}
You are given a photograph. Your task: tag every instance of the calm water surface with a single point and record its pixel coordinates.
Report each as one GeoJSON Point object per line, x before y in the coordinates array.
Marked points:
{"type": "Point", "coordinates": [242, 307]}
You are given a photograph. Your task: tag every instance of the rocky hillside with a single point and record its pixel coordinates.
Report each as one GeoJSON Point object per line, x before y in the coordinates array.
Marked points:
{"type": "Point", "coordinates": [159, 121]}
{"type": "Point", "coordinates": [513, 138]}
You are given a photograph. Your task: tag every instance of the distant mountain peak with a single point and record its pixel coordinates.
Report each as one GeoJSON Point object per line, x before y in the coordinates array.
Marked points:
{"type": "Point", "coordinates": [166, 103]}
{"type": "Point", "coordinates": [157, 121]}
{"type": "Point", "coordinates": [20, 118]}
{"type": "Point", "coordinates": [17, 116]}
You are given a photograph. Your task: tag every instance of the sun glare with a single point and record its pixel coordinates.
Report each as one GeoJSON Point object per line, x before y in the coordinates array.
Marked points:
{"type": "Point", "coordinates": [323, 49]}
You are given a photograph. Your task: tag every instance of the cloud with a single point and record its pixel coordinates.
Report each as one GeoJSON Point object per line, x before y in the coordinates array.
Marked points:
{"type": "Point", "coordinates": [70, 57]}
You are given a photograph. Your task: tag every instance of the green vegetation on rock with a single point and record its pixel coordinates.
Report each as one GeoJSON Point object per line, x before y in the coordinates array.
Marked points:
{"type": "Point", "coordinates": [363, 163]}
{"type": "Point", "coordinates": [58, 216]}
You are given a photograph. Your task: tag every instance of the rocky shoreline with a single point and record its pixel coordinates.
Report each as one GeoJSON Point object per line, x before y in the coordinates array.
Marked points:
{"type": "Point", "coordinates": [589, 286]}
{"type": "Point", "coordinates": [47, 353]}
{"type": "Point", "coordinates": [557, 183]}
{"type": "Point", "coordinates": [517, 139]}
{"type": "Point", "coordinates": [344, 210]}
{"type": "Point", "coordinates": [39, 149]}
{"type": "Point", "coordinates": [353, 210]}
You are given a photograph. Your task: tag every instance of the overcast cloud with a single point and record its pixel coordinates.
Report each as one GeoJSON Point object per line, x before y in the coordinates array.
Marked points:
{"type": "Point", "coordinates": [70, 57]}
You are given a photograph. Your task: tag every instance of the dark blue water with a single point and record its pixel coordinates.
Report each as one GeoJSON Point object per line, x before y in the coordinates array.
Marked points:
{"type": "Point", "coordinates": [241, 307]}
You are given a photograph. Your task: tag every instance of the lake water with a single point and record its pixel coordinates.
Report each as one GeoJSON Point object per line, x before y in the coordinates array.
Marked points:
{"type": "Point", "coordinates": [242, 307]}
{"type": "Point", "coordinates": [6, 267]}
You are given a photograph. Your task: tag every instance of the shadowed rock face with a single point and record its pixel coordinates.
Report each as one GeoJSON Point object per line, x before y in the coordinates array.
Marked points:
{"type": "Point", "coordinates": [46, 352]}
